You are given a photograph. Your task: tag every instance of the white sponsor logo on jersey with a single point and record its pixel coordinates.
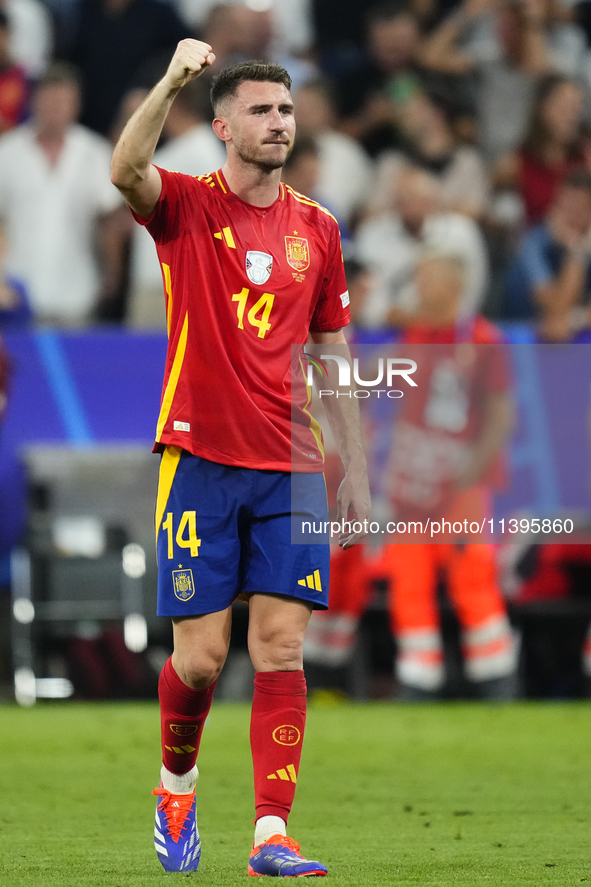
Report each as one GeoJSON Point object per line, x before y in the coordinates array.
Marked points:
{"type": "Point", "coordinates": [258, 266]}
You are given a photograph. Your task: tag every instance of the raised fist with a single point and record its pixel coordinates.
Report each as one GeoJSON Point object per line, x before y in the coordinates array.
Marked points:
{"type": "Point", "coordinates": [190, 59]}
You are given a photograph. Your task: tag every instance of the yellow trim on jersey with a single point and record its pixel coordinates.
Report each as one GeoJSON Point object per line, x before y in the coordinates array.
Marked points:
{"type": "Point", "coordinates": [314, 423]}
{"type": "Point", "coordinates": [173, 378]}
{"type": "Point", "coordinates": [168, 466]}
{"type": "Point", "coordinates": [221, 184]}
{"type": "Point", "coordinates": [301, 198]}
{"type": "Point", "coordinates": [227, 232]}
{"type": "Point", "coordinates": [168, 290]}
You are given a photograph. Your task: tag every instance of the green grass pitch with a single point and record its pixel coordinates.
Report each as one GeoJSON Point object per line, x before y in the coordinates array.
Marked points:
{"type": "Point", "coordinates": [403, 795]}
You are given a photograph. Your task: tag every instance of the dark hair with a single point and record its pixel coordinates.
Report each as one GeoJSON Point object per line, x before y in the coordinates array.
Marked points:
{"type": "Point", "coordinates": [59, 72]}
{"type": "Point", "coordinates": [228, 80]}
{"type": "Point", "coordinates": [4, 22]}
{"type": "Point", "coordinates": [537, 136]}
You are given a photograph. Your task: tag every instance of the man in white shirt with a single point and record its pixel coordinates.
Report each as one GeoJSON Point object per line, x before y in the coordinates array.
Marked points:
{"type": "Point", "coordinates": [391, 243]}
{"type": "Point", "coordinates": [54, 190]}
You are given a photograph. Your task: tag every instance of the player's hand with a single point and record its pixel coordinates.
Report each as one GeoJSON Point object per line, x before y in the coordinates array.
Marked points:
{"type": "Point", "coordinates": [189, 61]}
{"type": "Point", "coordinates": [353, 498]}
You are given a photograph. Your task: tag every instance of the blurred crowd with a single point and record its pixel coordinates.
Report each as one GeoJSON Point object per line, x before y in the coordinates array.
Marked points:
{"type": "Point", "coordinates": [423, 125]}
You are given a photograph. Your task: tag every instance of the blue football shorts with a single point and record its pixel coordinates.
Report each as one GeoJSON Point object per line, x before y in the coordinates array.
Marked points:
{"type": "Point", "coordinates": [224, 531]}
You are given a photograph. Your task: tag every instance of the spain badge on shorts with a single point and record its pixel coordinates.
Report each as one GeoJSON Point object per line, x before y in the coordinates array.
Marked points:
{"type": "Point", "coordinates": [183, 584]}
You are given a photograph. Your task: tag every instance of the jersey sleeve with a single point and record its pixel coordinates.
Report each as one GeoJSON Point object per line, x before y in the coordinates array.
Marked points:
{"type": "Point", "coordinates": [169, 215]}
{"type": "Point", "coordinates": [332, 309]}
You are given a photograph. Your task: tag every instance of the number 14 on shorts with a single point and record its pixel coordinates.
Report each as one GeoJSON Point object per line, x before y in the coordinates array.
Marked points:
{"type": "Point", "coordinates": [187, 526]}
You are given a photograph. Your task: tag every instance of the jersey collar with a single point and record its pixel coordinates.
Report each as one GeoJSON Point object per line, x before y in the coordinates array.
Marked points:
{"type": "Point", "coordinates": [227, 192]}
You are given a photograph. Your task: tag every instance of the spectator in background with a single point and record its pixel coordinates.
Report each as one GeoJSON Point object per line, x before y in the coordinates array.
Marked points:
{"type": "Point", "coordinates": [54, 190]}
{"type": "Point", "coordinates": [111, 40]}
{"type": "Point", "coordinates": [550, 278]}
{"type": "Point", "coordinates": [31, 34]}
{"type": "Point", "coordinates": [14, 89]}
{"type": "Point", "coordinates": [346, 172]}
{"type": "Point", "coordinates": [509, 68]}
{"type": "Point", "coordinates": [289, 24]}
{"type": "Point", "coordinates": [240, 32]}
{"type": "Point", "coordinates": [428, 141]}
{"type": "Point", "coordinates": [443, 464]}
{"type": "Point", "coordinates": [194, 149]}
{"type": "Point", "coordinates": [390, 243]}
{"type": "Point", "coordinates": [366, 96]}
{"type": "Point", "coordinates": [555, 146]}
{"type": "Point", "coordinates": [237, 32]}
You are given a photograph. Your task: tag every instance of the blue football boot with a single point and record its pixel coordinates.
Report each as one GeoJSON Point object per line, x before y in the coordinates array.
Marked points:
{"type": "Point", "coordinates": [280, 856]}
{"type": "Point", "coordinates": [176, 838]}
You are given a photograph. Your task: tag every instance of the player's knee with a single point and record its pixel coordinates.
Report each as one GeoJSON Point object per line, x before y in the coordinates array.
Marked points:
{"type": "Point", "coordinates": [288, 657]}
{"type": "Point", "coordinates": [280, 651]}
{"type": "Point", "coordinates": [200, 668]}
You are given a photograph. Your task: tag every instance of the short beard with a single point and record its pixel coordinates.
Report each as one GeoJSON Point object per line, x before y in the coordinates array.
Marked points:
{"type": "Point", "coordinates": [249, 155]}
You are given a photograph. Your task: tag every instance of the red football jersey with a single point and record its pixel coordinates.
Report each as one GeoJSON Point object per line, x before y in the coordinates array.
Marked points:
{"type": "Point", "coordinates": [243, 284]}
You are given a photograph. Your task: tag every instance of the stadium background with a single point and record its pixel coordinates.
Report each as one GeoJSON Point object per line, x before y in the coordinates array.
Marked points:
{"type": "Point", "coordinates": [431, 124]}
{"type": "Point", "coordinates": [425, 125]}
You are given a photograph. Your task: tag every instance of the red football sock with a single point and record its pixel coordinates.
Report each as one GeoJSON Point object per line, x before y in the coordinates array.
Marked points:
{"type": "Point", "coordinates": [182, 714]}
{"type": "Point", "coordinates": [277, 728]}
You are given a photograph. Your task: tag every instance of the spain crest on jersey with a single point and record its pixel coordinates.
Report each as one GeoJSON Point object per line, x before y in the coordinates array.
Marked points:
{"type": "Point", "coordinates": [297, 252]}
{"type": "Point", "coordinates": [184, 587]}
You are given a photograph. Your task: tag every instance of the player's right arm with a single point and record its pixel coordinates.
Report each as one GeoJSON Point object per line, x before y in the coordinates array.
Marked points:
{"type": "Point", "coordinates": [131, 167]}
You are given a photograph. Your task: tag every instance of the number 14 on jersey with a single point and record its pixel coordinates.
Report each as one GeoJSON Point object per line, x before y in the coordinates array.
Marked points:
{"type": "Point", "coordinates": [264, 305]}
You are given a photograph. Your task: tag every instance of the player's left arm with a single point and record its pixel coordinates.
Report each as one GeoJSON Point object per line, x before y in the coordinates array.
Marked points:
{"type": "Point", "coordinates": [345, 422]}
